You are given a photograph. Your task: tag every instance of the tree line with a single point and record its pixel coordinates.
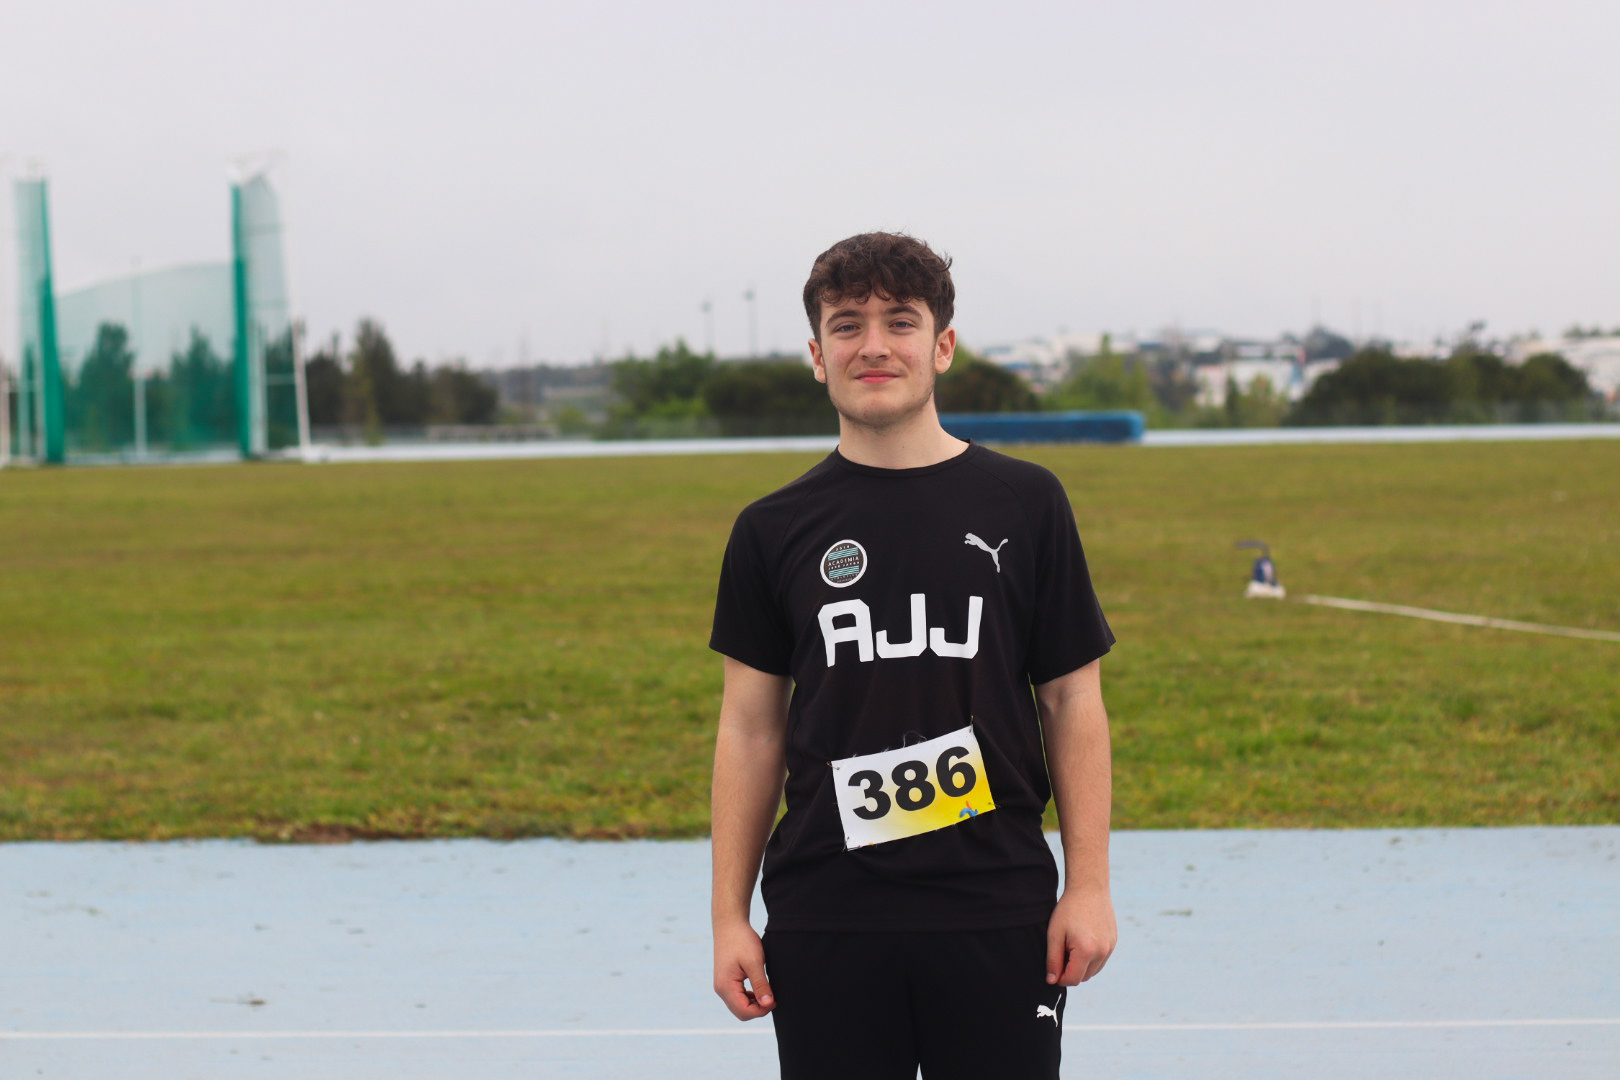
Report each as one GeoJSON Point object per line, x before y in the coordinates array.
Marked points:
{"type": "Point", "coordinates": [191, 404]}
{"type": "Point", "coordinates": [1472, 386]}
{"type": "Point", "coordinates": [368, 390]}
{"type": "Point", "coordinates": [679, 391]}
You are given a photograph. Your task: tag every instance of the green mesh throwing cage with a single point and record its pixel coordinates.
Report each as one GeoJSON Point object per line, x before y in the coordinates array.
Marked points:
{"type": "Point", "coordinates": [187, 361]}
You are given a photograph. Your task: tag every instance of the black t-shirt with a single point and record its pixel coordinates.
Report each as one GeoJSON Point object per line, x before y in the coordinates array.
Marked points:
{"type": "Point", "coordinates": [909, 605]}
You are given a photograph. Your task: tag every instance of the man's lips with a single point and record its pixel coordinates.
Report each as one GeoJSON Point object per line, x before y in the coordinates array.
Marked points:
{"type": "Point", "coordinates": [876, 377]}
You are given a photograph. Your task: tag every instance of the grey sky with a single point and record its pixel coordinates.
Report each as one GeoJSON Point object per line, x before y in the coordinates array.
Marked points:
{"type": "Point", "coordinates": [587, 175]}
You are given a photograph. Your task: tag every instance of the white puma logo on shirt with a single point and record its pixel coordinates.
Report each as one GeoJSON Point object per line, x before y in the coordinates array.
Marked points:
{"type": "Point", "coordinates": [993, 552]}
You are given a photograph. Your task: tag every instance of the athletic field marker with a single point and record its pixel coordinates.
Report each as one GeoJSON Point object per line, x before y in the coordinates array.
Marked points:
{"type": "Point", "coordinates": [610, 1033]}
{"type": "Point", "coordinates": [1461, 620]}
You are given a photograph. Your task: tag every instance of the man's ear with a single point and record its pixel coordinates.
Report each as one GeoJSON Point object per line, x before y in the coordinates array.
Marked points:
{"type": "Point", "coordinates": [817, 363]}
{"type": "Point", "coordinates": [945, 350]}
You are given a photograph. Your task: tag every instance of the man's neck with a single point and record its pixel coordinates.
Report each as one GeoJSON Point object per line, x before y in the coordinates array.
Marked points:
{"type": "Point", "coordinates": [912, 446]}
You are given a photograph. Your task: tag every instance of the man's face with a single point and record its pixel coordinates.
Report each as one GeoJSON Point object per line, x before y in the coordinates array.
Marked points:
{"type": "Point", "coordinates": [879, 359]}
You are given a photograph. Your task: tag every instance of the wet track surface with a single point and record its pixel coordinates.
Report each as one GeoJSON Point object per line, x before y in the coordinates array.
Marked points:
{"type": "Point", "coordinates": [1389, 954]}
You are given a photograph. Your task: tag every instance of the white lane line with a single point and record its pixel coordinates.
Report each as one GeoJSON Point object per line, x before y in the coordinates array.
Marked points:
{"type": "Point", "coordinates": [1462, 620]}
{"type": "Point", "coordinates": [614, 1033]}
{"type": "Point", "coordinates": [558, 1033]}
{"type": "Point", "coordinates": [1349, 1025]}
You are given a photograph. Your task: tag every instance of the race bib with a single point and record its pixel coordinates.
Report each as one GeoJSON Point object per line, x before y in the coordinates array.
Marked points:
{"type": "Point", "coordinates": [915, 789]}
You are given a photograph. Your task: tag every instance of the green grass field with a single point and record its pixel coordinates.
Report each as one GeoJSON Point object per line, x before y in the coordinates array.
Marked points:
{"type": "Point", "coordinates": [518, 648]}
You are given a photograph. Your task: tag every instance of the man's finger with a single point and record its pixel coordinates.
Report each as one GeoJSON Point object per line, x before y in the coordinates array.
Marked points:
{"type": "Point", "coordinates": [1073, 969]}
{"type": "Point", "coordinates": [760, 984]}
{"type": "Point", "coordinates": [1072, 963]}
{"type": "Point", "coordinates": [740, 1001]}
{"type": "Point", "coordinates": [1056, 953]}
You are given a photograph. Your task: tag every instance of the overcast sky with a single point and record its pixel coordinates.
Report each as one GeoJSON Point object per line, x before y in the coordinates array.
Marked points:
{"type": "Point", "coordinates": [582, 177]}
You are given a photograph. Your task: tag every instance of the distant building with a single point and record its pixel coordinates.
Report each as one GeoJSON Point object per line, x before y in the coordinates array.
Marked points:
{"type": "Point", "coordinates": [1214, 360]}
{"type": "Point", "coordinates": [1244, 362]}
{"type": "Point", "coordinates": [1421, 350]}
{"type": "Point", "coordinates": [1597, 357]}
{"type": "Point", "coordinates": [1042, 361]}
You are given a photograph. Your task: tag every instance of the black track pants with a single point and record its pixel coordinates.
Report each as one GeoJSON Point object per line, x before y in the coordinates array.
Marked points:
{"type": "Point", "coordinates": [871, 1006]}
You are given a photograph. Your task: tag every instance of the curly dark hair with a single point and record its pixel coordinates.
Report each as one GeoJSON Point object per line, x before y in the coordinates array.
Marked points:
{"type": "Point", "coordinates": [893, 265]}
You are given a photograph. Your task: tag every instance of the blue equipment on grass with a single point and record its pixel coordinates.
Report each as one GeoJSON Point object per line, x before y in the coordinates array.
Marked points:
{"type": "Point", "coordinates": [1263, 576]}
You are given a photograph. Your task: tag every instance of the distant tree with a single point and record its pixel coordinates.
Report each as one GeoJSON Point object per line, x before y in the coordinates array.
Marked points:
{"type": "Point", "coordinates": [1486, 388]}
{"type": "Point", "coordinates": [668, 385]}
{"type": "Point", "coordinates": [1174, 386]}
{"type": "Point", "coordinates": [1480, 385]}
{"type": "Point", "coordinates": [571, 420]}
{"type": "Point", "coordinates": [323, 385]}
{"type": "Point", "coordinates": [99, 402]}
{"type": "Point", "coordinates": [976, 385]}
{"type": "Point", "coordinates": [1323, 344]}
{"type": "Point", "coordinates": [1105, 381]}
{"type": "Point", "coordinates": [1549, 377]}
{"type": "Point", "coordinates": [159, 401]}
{"type": "Point", "coordinates": [412, 398]}
{"type": "Point", "coordinates": [1374, 386]}
{"type": "Point", "coordinates": [1258, 405]}
{"type": "Point", "coordinates": [373, 377]}
{"type": "Point", "coordinates": [202, 392]}
{"type": "Point", "coordinates": [765, 397]}
{"type": "Point", "coordinates": [374, 392]}
{"type": "Point", "coordinates": [457, 396]}
{"type": "Point", "coordinates": [1548, 387]}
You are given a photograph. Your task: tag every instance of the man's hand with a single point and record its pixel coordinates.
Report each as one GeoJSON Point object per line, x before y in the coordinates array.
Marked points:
{"type": "Point", "coordinates": [739, 972]}
{"type": "Point", "coordinates": [1080, 937]}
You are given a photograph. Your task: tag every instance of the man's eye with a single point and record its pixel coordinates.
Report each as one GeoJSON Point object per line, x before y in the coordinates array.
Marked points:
{"type": "Point", "coordinates": [903, 324]}
{"type": "Point", "coordinates": [841, 327]}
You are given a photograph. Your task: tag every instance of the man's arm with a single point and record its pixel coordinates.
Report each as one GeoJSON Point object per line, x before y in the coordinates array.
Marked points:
{"type": "Point", "coordinates": [1074, 724]}
{"type": "Point", "coordinates": [749, 770]}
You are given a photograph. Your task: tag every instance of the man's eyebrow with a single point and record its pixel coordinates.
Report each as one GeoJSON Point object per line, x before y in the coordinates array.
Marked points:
{"type": "Point", "coordinates": [892, 309]}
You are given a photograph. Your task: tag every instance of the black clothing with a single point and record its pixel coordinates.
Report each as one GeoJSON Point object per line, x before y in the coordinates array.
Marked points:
{"type": "Point", "coordinates": [964, 1005]}
{"type": "Point", "coordinates": [821, 582]}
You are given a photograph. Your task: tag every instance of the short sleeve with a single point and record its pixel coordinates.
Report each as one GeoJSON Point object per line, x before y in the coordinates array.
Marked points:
{"type": "Point", "coordinates": [749, 624]}
{"type": "Point", "coordinates": [1070, 630]}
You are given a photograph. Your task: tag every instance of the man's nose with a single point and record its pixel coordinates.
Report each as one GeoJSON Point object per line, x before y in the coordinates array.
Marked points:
{"type": "Point", "coordinates": [874, 342]}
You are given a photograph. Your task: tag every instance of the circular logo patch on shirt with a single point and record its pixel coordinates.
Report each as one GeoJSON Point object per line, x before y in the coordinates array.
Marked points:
{"type": "Point", "coordinates": [843, 564]}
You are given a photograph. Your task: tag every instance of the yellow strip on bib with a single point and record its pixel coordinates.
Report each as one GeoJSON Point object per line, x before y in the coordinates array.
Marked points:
{"type": "Point", "coordinates": [915, 789]}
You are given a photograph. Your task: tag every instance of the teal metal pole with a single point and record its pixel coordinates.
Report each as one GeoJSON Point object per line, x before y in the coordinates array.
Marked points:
{"type": "Point", "coordinates": [54, 415]}
{"type": "Point", "coordinates": [244, 384]}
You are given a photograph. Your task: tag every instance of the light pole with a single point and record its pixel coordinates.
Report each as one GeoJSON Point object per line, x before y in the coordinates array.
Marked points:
{"type": "Point", "coordinates": [708, 326]}
{"type": "Point", "coordinates": [753, 325]}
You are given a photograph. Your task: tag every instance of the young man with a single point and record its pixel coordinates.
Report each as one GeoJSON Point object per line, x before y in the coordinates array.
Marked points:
{"type": "Point", "coordinates": [883, 619]}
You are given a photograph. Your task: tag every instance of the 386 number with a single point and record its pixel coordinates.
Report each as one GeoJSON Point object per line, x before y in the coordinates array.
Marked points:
{"type": "Point", "coordinates": [913, 789]}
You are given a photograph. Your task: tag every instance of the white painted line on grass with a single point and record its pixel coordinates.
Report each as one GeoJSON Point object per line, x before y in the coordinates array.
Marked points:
{"type": "Point", "coordinates": [1461, 620]}
{"type": "Point", "coordinates": [615, 1033]}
